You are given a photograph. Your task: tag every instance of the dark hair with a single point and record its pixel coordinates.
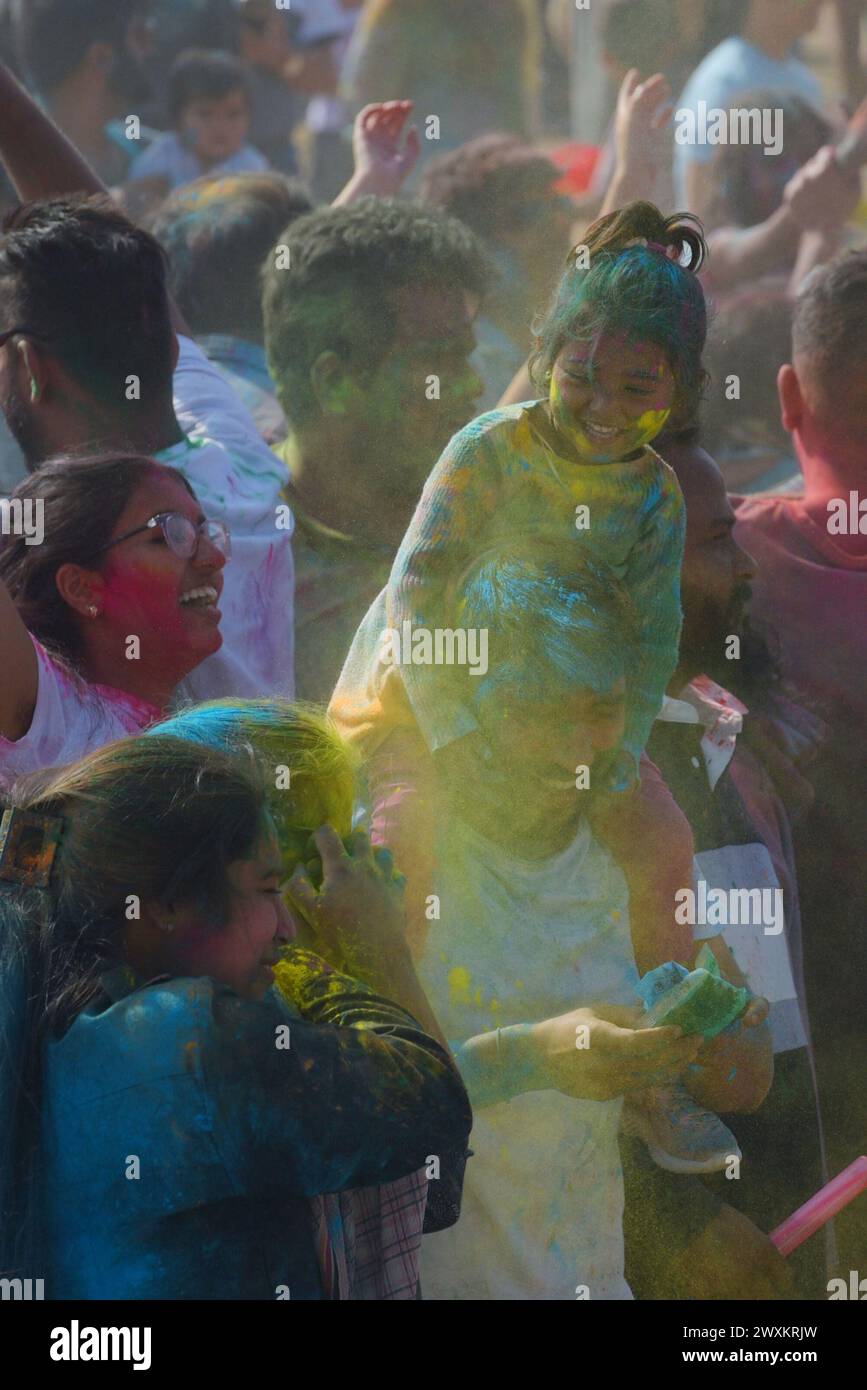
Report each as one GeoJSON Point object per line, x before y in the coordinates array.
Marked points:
{"type": "Point", "coordinates": [53, 36]}
{"type": "Point", "coordinates": [301, 737]}
{"type": "Point", "coordinates": [217, 233]}
{"type": "Point", "coordinates": [637, 290]}
{"type": "Point", "coordinates": [829, 323]}
{"type": "Point", "coordinates": [158, 817]}
{"type": "Point", "coordinates": [343, 265]}
{"type": "Point", "coordinates": [484, 180]}
{"type": "Point", "coordinates": [92, 285]}
{"type": "Point", "coordinates": [737, 199]}
{"type": "Point", "coordinates": [203, 74]}
{"type": "Point", "coordinates": [83, 499]}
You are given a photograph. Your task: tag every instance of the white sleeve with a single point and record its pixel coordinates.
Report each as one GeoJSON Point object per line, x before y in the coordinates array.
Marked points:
{"type": "Point", "coordinates": [242, 470]}
{"type": "Point", "coordinates": [63, 727]}
{"type": "Point", "coordinates": [207, 405]}
{"type": "Point", "coordinates": [237, 477]}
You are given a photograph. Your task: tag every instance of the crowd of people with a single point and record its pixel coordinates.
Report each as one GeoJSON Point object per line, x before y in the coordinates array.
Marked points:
{"type": "Point", "coordinates": [433, 535]}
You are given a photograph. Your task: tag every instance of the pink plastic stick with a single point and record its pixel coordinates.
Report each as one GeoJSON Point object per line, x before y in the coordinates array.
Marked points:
{"type": "Point", "coordinates": [830, 1199]}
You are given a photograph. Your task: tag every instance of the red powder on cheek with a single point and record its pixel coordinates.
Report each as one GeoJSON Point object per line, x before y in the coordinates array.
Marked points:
{"type": "Point", "coordinates": [144, 604]}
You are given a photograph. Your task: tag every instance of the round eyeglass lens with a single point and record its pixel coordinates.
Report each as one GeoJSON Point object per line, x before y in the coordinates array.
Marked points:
{"type": "Point", "coordinates": [181, 534]}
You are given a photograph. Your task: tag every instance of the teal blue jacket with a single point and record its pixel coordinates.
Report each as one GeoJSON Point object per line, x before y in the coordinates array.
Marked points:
{"type": "Point", "coordinates": [181, 1144]}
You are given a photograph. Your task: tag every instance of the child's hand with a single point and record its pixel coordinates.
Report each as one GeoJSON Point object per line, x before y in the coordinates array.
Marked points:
{"type": "Point", "coordinates": [382, 158]}
{"type": "Point", "coordinates": [610, 1058]}
{"type": "Point", "coordinates": [643, 113]}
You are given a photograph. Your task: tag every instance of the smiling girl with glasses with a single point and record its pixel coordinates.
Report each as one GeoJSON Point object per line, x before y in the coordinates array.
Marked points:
{"type": "Point", "coordinates": [101, 621]}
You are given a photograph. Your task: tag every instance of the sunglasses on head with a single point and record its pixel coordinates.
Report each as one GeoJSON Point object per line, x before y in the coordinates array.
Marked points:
{"type": "Point", "coordinates": [181, 535]}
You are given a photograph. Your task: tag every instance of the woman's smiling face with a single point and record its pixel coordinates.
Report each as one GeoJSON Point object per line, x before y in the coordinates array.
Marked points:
{"type": "Point", "coordinates": [611, 397]}
{"type": "Point", "coordinates": [241, 951]}
{"type": "Point", "coordinates": [169, 602]}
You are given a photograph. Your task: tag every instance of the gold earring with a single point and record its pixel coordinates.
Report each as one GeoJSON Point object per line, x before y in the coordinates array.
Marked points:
{"type": "Point", "coordinates": [93, 610]}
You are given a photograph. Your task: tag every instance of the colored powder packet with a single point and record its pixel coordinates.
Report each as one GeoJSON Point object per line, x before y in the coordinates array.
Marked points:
{"type": "Point", "coordinates": [697, 1001]}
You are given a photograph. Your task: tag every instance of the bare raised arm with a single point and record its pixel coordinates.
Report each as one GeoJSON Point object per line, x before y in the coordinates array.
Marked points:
{"type": "Point", "coordinates": [19, 685]}
{"type": "Point", "coordinates": [39, 159]}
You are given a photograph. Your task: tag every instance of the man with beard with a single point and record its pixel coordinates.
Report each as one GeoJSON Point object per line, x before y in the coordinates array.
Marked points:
{"type": "Point", "coordinates": [368, 332]}
{"type": "Point", "coordinates": [705, 1237]}
{"type": "Point", "coordinates": [702, 1238]}
{"type": "Point", "coordinates": [85, 59]}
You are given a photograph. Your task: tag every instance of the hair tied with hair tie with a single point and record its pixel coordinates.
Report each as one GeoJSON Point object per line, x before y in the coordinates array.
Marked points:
{"type": "Point", "coordinates": [28, 845]}
{"type": "Point", "coordinates": [671, 253]}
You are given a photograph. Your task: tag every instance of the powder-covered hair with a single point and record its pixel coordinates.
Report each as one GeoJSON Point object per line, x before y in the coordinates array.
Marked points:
{"type": "Point", "coordinates": [652, 293]}
{"type": "Point", "coordinates": [337, 293]}
{"type": "Point", "coordinates": [298, 738]}
{"type": "Point", "coordinates": [552, 627]}
{"type": "Point", "coordinates": [217, 232]}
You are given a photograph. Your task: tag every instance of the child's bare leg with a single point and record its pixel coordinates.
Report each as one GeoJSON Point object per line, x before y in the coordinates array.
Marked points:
{"type": "Point", "coordinates": [652, 841]}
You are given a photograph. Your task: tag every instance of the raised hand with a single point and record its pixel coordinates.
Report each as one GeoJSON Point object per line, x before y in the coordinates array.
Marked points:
{"type": "Point", "coordinates": [383, 157]}
{"type": "Point", "coordinates": [821, 195]}
{"type": "Point", "coordinates": [641, 124]}
{"type": "Point", "coordinates": [356, 917]}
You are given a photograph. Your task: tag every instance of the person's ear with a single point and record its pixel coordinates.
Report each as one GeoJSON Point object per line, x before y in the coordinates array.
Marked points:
{"type": "Point", "coordinates": [82, 589]}
{"type": "Point", "coordinates": [792, 403]}
{"type": "Point", "coordinates": [32, 370]}
{"type": "Point", "coordinates": [171, 919]}
{"type": "Point", "coordinates": [334, 387]}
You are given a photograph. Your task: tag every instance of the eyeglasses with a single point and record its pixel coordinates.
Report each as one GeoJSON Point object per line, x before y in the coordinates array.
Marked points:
{"type": "Point", "coordinates": [181, 535]}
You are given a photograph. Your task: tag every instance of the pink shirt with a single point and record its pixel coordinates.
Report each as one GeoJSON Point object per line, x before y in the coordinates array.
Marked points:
{"type": "Point", "coordinates": [814, 597]}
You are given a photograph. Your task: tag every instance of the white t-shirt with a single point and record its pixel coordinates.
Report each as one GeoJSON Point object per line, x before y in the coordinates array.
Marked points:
{"type": "Point", "coordinates": [520, 942]}
{"type": "Point", "coordinates": [734, 67]}
{"type": "Point", "coordinates": [70, 719]}
{"type": "Point", "coordinates": [237, 479]}
{"type": "Point", "coordinates": [169, 158]}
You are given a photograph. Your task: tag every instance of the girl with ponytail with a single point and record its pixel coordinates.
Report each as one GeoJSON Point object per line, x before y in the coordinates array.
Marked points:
{"type": "Point", "coordinates": [572, 475]}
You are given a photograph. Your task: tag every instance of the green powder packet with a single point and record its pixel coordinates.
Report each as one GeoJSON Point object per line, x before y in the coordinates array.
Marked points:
{"type": "Point", "coordinates": [697, 1001]}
